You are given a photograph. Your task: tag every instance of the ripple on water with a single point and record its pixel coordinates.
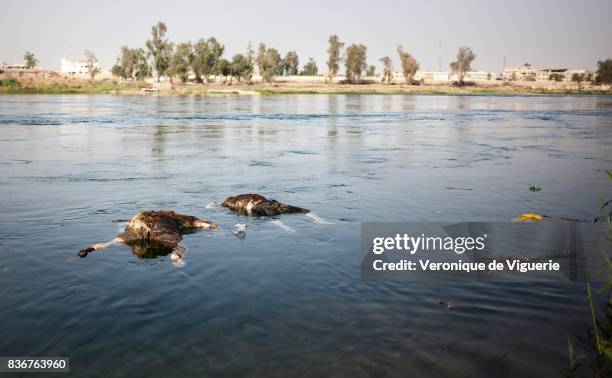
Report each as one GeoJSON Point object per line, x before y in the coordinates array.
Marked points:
{"type": "Point", "coordinates": [260, 163]}
{"type": "Point", "coordinates": [244, 304]}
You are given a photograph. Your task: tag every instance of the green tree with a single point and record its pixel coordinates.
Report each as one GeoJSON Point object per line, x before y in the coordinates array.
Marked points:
{"type": "Point", "coordinates": [224, 69]}
{"type": "Point", "coordinates": [30, 59]}
{"type": "Point", "coordinates": [465, 57]}
{"type": "Point", "coordinates": [180, 63]}
{"type": "Point", "coordinates": [604, 71]}
{"type": "Point", "coordinates": [261, 59]}
{"type": "Point", "coordinates": [205, 58]}
{"type": "Point", "coordinates": [131, 63]}
{"type": "Point", "coordinates": [290, 63]}
{"type": "Point", "coordinates": [387, 69]}
{"type": "Point", "coordinates": [248, 73]}
{"type": "Point", "coordinates": [124, 67]}
{"type": "Point", "coordinates": [371, 71]}
{"type": "Point", "coordinates": [310, 68]}
{"type": "Point", "coordinates": [355, 62]}
{"type": "Point", "coordinates": [334, 56]}
{"type": "Point", "coordinates": [409, 65]}
{"type": "Point", "coordinates": [117, 71]}
{"type": "Point", "coordinates": [268, 62]}
{"type": "Point", "coordinates": [578, 78]}
{"type": "Point", "coordinates": [92, 66]}
{"type": "Point", "coordinates": [555, 77]}
{"type": "Point", "coordinates": [142, 69]}
{"type": "Point", "coordinates": [273, 54]}
{"type": "Point", "coordinates": [160, 49]}
{"type": "Point", "coordinates": [241, 67]}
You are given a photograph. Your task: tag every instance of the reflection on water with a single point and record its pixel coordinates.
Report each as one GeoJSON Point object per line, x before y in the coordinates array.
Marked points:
{"type": "Point", "coordinates": [278, 302]}
{"type": "Point", "coordinates": [146, 250]}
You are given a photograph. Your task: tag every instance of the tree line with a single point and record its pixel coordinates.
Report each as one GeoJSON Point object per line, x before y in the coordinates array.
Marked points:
{"type": "Point", "coordinates": [204, 58]}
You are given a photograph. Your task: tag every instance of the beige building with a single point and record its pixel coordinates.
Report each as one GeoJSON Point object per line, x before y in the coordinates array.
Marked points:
{"type": "Point", "coordinates": [447, 76]}
{"type": "Point", "coordinates": [527, 73]}
{"type": "Point", "coordinates": [14, 67]}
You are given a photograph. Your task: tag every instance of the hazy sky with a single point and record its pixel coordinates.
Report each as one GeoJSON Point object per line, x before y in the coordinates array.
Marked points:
{"type": "Point", "coordinates": [542, 32]}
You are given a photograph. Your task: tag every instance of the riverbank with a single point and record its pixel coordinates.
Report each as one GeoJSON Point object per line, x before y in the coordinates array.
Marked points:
{"type": "Point", "coordinates": [107, 86]}
{"type": "Point", "coordinates": [63, 86]}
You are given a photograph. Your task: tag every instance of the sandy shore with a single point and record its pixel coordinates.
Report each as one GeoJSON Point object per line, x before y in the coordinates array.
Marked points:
{"type": "Point", "coordinates": [18, 85]}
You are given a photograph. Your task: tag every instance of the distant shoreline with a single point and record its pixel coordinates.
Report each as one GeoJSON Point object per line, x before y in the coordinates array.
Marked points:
{"type": "Point", "coordinates": [278, 88]}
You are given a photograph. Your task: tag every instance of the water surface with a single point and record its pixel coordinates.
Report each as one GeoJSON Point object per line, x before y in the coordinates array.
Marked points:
{"type": "Point", "coordinates": [287, 299]}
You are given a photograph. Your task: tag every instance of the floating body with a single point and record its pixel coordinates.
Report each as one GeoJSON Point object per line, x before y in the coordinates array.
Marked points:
{"type": "Point", "coordinates": [155, 233]}
{"type": "Point", "coordinates": [258, 205]}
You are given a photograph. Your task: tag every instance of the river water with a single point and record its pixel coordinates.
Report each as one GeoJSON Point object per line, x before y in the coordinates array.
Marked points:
{"type": "Point", "coordinates": [288, 298]}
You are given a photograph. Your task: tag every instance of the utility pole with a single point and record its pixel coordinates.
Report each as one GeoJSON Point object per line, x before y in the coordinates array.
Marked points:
{"type": "Point", "coordinates": [440, 56]}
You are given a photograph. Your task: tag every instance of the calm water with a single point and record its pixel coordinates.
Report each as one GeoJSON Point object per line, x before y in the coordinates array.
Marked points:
{"type": "Point", "coordinates": [287, 299]}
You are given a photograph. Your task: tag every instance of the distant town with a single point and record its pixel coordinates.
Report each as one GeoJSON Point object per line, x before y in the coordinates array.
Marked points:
{"type": "Point", "coordinates": [526, 73]}
{"type": "Point", "coordinates": [164, 65]}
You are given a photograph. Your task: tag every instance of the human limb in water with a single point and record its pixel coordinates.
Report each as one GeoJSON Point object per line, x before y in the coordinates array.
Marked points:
{"type": "Point", "coordinates": [99, 246]}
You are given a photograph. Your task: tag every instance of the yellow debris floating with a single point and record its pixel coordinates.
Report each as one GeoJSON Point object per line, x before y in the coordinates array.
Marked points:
{"type": "Point", "coordinates": [528, 217]}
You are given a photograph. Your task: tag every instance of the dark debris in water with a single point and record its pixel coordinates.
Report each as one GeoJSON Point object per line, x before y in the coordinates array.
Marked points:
{"type": "Point", "coordinates": [258, 163]}
{"type": "Point", "coordinates": [449, 304]}
{"type": "Point", "coordinates": [16, 161]}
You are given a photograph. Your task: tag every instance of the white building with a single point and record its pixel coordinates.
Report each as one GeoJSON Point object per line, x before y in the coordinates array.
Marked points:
{"type": "Point", "coordinates": [72, 67]}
